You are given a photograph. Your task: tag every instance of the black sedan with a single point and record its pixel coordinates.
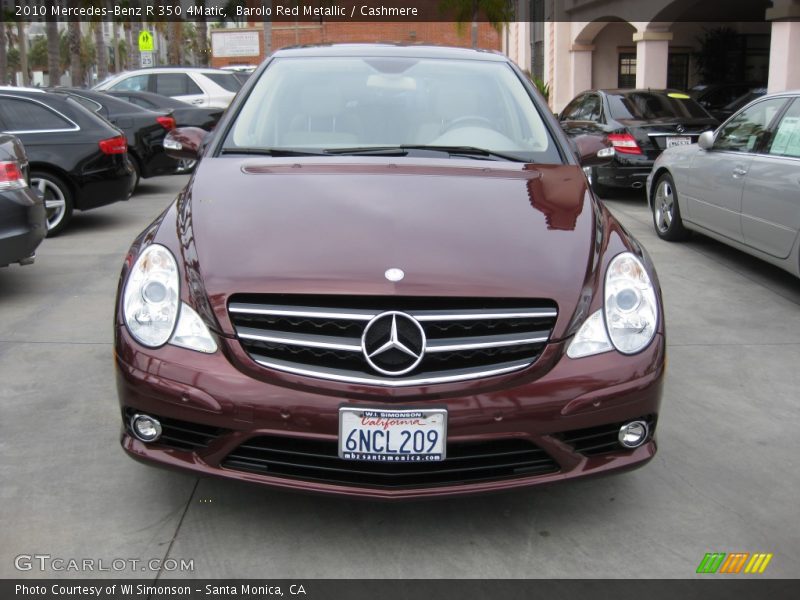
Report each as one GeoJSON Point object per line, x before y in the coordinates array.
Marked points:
{"type": "Point", "coordinates": [23, 222]}
{"type": "Point", "coordinates": [78, 160]}
{"type": "Point", "coordinates": [144, 129]}
{"type": "Point", "coordinates": [639, 125]}
{"type": "Point", "coordinates": [185, 115]}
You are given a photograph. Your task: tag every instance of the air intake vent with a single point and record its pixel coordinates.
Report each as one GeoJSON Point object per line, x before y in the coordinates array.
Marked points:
{"type": "Point", "coordinates": [317, 460]}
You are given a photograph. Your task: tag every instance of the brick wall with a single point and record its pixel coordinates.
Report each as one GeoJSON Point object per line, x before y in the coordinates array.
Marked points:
{"type": "Point", "coordinates": [437, 33]}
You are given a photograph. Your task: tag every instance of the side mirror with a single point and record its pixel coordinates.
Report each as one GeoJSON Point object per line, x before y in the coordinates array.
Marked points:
{"type": "Point", "coordinates": [185, 142]}
{"type": "Point", "coordinates": [593, 150]}
{"type": "Point", "coordinates": [706, 140]}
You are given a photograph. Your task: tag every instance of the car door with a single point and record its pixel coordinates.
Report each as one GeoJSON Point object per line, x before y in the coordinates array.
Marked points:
{"type": "Point", "coordinates": [713, 190]}
{"type": "Point", "coordinates": [771, 196]}
{"type": "Point", "coordinates": [181, 87]}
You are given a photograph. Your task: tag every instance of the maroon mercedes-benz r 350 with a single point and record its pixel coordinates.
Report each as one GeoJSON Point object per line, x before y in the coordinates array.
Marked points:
{"type": "Point", "coordinates": [388, 278]}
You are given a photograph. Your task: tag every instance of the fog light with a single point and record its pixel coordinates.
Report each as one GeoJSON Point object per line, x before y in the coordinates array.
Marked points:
{"type": "Point", "coordinates": [145, 428]}
{"type": "Point", "coordinates": [633, 434]}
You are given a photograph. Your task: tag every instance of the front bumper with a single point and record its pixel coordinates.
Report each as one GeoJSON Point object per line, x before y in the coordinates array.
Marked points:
{"type": "Point", "coordinates": [186, 387]}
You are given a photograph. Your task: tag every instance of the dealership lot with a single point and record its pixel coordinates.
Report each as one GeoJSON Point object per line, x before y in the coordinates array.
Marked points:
{"type": "Point", "coordinates": [725, 478]}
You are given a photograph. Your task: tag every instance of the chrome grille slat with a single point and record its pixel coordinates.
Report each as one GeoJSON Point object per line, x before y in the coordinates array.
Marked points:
{"type": "Point", "coordinates": [322, 336]}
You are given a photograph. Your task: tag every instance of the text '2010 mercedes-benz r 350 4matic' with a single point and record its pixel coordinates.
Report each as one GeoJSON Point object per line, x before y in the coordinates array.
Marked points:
{"type": "Point", "coordinates": [388, 278]}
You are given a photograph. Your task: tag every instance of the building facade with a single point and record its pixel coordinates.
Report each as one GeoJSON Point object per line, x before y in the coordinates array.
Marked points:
{"type": "Point", "coordinates": [575, 45]}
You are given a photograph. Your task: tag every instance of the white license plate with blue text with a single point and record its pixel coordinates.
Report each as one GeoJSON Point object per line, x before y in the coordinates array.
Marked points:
{"type": "Point", "coordinates": [678, 141]}
{"type": "Point", "coordinates": [405, 435]}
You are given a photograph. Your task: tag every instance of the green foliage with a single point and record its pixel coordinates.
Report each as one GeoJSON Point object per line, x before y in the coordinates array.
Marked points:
{"type": "Point", "coordinates": [713, 62]}
{"type": "Point", "coordinates": [37, 54]}
{"type": "Point", "coordinates": [497, 12]}
{"type": "Point", "coordinates": [13, 59]}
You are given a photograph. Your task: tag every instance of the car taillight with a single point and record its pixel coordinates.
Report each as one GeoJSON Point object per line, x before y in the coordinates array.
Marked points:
{"type": "Point", "coordinates": [115, 145]}
{"type": "Point", "coordinates": [11, 176]}
{"type": "Point", "coordinates": [167, 123]}
{"type": "Point", "coordinates": [624, 143]}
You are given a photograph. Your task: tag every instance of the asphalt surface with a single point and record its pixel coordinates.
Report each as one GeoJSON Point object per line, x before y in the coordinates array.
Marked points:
{"type": "Point", "coordinates": [726, 477]}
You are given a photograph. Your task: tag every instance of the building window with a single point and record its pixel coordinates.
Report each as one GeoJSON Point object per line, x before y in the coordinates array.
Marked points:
{"type": "Point", "coordinates": [678, 71]}
{"type": "Point", "coordinates": [537, 38]}
{"type": "Point", "coordinates": [626, 72]}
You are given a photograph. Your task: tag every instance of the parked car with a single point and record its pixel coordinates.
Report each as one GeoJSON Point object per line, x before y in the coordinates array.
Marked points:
{"type": "Point", "coordinates": [185, 115]}
{"type": "Point", "coordinates": [144, 130]}
{"type": "Point", "coordinates": [78, 160]}
{"type": "Point", "coordinates": [387, 278]}
{"type": "Point", "coordinates": [726, 111]}
{"type": "Point", "coordinates": [194, 85]}
{"type": "Point", "coordinates": [23, 220]}
{"type": "Point", "coordinates": [714, 97]}
{"type": "Point", "coordinates": [639, 124]}
{"type": "Point", "coordinates": [739, 185]}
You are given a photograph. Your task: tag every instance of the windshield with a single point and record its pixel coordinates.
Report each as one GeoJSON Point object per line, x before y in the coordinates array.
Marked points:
{"type": "Point", "coordinates": [318, 104]}
{"type": "Point", "coordinates": [647, 106]}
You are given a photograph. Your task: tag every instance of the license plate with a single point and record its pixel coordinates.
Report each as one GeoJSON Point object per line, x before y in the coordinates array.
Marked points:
{"type": "Point", "coordinates": [678, 141]}
{"type": "Point", "coordinates": [392, 435]}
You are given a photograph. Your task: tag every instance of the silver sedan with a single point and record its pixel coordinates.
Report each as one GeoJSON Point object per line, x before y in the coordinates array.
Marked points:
{"type": "Point", "coordinates": [739, 184]}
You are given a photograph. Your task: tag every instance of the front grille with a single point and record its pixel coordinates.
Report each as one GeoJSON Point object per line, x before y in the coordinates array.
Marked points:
{"type": "Point", "coordinates": [601, 439]}
{"type": "Point", "coordinates": [322, 336]}
{"type": "Point", "coordinates": [181, 435]}
{"type": "Point", "coordinates": [318, 460]}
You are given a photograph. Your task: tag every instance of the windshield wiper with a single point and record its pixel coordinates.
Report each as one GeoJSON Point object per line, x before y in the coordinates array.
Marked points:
{"type": "Point", "coordinates": [403, 150]}
{"type": "Point", "coordinates": [271, 152]}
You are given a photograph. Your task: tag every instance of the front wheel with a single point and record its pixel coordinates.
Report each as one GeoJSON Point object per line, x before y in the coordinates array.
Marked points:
{"type": "Point", "coordinates": [666, 212]}
{"type": "Point", "coordinates": [57, 200]}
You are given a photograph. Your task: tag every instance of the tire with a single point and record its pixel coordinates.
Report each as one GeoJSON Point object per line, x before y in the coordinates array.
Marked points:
{"type": "Point", "coordinates": [57, 200]}
{"type": "Point", "coordinates": [666, 211]}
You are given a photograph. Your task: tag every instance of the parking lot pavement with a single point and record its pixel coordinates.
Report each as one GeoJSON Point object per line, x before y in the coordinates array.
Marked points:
{"type": "Point", "coordinates": [725, 479]}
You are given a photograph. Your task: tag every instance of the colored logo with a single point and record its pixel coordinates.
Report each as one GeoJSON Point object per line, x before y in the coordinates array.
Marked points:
{"type": "Point", "coordinates": [734, 563]}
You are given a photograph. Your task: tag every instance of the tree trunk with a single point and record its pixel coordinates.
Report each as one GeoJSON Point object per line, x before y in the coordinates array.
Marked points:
{"type": "Point", "coordinates": [202, 38]}
{"type": "Point", "coordinates": [175, 42]}
{"type": "Point", "coordinates": [53, 53]}
{"type": "Point", "coordinates": [75, 69]}
{"type": "Point", "coordinates": [3, 54]}
{"type": "Point", "coordinates": [23, 53]}
{"type": "Point", "coordinates": [117, 61]}
{"type": "Point", "coordinates": [134, 59]}
{"type": "Point", "coordinates": [101, 51]}
{"type": "Point", "coordinates": [474, 23]}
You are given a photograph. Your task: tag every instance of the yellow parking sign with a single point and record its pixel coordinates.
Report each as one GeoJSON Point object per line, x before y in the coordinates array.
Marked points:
{"type": "Point", "coordinates": [145, 41]}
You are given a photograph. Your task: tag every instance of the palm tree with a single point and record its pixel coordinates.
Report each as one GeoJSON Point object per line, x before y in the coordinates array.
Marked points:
{"type": "Point", "coordinates": [202, 38]}
{"type": "Point", "coordinates": [101, 51]}
{"type": "Point", "coordinates": [497, 12]}
{"type": "Point", "coordinates": [53, 53]}
{"type": "Point", "coordinates": [22, 39]}
{"type": "Point", "coordinates": [75, 68]}
{"type": "Point", "coordinates": [174, 42]}
{"type": "Point", "coordinates": [3, 52]}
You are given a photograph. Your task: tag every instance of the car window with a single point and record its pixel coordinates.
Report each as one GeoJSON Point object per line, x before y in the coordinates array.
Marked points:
{"type": "Point", "coordinates": [135, 83]}
{"type": "Point", "coordinates": [227, 81]}
{"type": "Point", "coordinates": [176, 84]}
{"type": "Point", "coordinates": [745, 131]}
{"type": "Point", "coordinates": [86, 103]}
{"type": "Point", "coordinates": [592, 108]}
{"type": "Point", "coordinates": [648, 106]}
{"type": "Point", "coordinates": [25, 115]}
{"type": "Point", "coordinates": [787, 135]}
{"type": "Point", "coordinates": [139, 101]}
{"type": "Point", "coordinates": [346, 102]}
{"type": "Point", "coordinates": [573, 109]}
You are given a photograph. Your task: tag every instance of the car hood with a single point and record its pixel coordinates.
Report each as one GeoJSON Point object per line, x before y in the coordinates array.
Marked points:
{"type": "Point", "coordinates": [461, 228]}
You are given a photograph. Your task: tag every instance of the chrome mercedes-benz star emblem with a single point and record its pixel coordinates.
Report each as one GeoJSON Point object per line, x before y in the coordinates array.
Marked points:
{"type": "Point", "coordinates": [393, 343]}
{"type": "Point", "coordinates": [680, 128]}
{"type": "Point", "coordinates": [394, 274]}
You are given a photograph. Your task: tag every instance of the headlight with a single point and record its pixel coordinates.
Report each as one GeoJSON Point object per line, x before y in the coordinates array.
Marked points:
{"type": "Point", "coordinates": [630, 304]}
{"type": "Point", "coordinates": [152, 296]}
{"type": "Point", "coordinates": [630, 311]}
